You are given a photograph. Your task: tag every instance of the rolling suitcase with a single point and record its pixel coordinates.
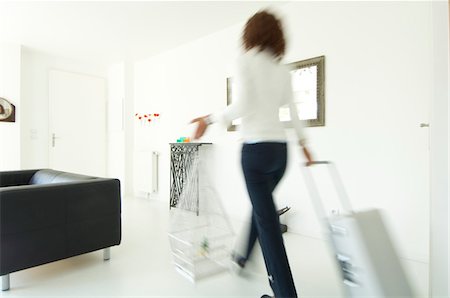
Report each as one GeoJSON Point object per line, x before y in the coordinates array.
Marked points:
{"type": "Point", "coordinates": [363, 249]}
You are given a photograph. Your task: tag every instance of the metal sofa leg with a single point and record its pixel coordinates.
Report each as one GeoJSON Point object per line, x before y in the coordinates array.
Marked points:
{"type": "Point", "coordinates": [107, 253]}
{"type": "Point", "coordinates": [5, 282]}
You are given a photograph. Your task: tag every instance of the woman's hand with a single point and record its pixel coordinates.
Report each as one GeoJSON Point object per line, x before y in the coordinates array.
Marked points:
{"type": "Point", "coordinates": [201, 127]}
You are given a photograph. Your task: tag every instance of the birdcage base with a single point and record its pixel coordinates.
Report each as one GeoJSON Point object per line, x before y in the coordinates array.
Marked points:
{"type": "Point", "coordinates": [202, 251]}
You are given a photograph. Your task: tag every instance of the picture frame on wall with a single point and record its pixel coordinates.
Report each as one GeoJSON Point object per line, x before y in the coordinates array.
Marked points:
{"type": "Point", "coordinates": [7, 111]}
{"type": "Point", "coordinates": [308, 85]}
{"type": "Point", "coordinates": [235, 123]}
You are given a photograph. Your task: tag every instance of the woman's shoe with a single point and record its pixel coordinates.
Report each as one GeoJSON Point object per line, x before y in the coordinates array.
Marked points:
{"type": "Point", "coordinates": [267, 296]}
{"type": "Point", "coordinates": [238, 260]}
{"type": "Point", "coordinates": [237, 263]}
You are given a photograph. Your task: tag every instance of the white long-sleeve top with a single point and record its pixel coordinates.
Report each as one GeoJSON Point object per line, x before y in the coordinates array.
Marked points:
{"type": "Point", "coordinates": [263, 85]}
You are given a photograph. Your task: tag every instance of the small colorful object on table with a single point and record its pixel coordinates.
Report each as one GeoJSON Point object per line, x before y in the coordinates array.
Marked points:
{"type": "Point", "coordinates": [183, 140]}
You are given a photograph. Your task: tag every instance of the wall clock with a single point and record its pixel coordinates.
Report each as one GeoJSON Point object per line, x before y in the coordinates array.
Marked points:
{"type": "Point", "coordinates": [7, 111]}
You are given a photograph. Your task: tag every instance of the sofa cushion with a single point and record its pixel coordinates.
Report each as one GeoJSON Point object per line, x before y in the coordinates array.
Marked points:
{"type": "Point", "coordinates": [48, 176]}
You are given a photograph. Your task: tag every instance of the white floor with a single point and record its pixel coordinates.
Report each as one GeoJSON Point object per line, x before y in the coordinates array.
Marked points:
{"type": "Point", "coordinates": [142, 267]}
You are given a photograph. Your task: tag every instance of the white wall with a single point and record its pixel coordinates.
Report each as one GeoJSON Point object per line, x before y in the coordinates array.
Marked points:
{"type": "Point", "coordinates": [10, 90]}
{"type": "Point", "coordinates": [115, 127]}
{"type": "Point", "coordinates": [129, 127]}
{"type": "Point", "coordinates": [439, 232]}
{"type": "Point", "coordinates": [378, 91]}
{"type": "Point", "coordinates": [35, 113]}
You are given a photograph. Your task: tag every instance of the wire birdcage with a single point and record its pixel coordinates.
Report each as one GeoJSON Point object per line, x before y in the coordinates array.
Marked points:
{"type": "Point", "coordinates": [201, 240]}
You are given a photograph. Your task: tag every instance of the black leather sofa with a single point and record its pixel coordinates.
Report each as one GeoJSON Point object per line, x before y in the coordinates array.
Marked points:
{"type": "Point", "coordinates": [48, 215]}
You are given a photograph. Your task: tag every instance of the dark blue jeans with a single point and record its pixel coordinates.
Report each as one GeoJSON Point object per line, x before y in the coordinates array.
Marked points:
{"type": "Point", "coordinates": [264, 165]}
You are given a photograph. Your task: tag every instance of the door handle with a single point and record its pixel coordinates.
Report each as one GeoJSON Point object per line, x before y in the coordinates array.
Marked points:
{"type": "Point", "coordinates": [424, 125]}
{"type": "Point", "coordinates": [54, 137]}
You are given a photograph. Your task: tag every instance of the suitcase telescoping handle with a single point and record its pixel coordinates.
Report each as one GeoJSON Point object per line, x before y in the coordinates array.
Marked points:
{"type": "Point", "coordinates": [314, 193]}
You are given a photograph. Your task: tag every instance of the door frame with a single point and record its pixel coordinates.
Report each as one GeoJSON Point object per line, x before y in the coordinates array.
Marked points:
{"type": "Point", "coordinates": [439, 265]}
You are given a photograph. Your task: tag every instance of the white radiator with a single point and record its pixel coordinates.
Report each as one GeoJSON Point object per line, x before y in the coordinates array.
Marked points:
{"type": "Point", "coordinates": [155, 159]}
{"type": "Point", "coordinates": [146, 172]}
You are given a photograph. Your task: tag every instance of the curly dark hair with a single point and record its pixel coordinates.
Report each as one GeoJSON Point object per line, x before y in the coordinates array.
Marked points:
{"type": "Point", "coordinates": [265, 31]}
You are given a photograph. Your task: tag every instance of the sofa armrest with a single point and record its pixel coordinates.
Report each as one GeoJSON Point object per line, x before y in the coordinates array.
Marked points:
{"type": "Point", "coordinates": [94, 222]}
{"type": "Point", "coordinates": [15, 178]}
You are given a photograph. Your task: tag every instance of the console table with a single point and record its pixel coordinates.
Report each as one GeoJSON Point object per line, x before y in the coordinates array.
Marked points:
{"type": "Point", "coordinates": [182, 158]}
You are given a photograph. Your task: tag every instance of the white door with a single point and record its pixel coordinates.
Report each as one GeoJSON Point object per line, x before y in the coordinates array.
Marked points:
{"type": "Point", "coordinates": [77, 105]}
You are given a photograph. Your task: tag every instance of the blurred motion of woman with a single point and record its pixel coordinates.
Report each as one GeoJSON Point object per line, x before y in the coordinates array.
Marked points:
{"type": "Point", "coordinates": [263, 85]}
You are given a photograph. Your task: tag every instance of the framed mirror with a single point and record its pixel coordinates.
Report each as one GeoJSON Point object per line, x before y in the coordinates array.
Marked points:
{"type": "Point", "coordinates": [308, 84]}
{"type": "Point", "coordinates": [234, 123]}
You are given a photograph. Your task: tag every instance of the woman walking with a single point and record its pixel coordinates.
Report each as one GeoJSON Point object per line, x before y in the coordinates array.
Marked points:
{"type": "Point", "coordinates": [263, 85]}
